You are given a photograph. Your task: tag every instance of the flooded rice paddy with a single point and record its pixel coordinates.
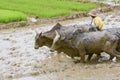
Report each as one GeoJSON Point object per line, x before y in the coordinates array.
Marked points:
{"type": "Point", "coordinates": [20, 61]}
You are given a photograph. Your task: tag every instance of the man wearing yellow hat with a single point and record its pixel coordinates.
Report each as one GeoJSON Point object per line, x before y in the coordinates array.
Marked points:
{"type": "Point", "coordinates": [97, 20]}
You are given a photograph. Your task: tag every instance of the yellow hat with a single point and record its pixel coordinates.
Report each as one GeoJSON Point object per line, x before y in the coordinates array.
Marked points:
{"type": "Point", "coordinates": [92, 13]}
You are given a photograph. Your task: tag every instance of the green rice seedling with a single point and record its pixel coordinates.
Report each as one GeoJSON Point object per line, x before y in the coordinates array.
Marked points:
{"type": "Point", "coordinates": [11, 16]}
{"type": "Point", "coordinates": [46, 8]}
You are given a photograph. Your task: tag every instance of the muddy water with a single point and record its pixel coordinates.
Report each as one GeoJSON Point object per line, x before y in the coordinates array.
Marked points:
{"type": "Point", "coordinates": [20, 61]}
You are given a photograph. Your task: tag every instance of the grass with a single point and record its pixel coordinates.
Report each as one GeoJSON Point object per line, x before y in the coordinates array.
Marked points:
{"type": "Point", "coordinates": [11, 16]}
{"type": "Point", "coordinates": [119, 1]}
{"type": "Point", "coordinates": [46, 8]}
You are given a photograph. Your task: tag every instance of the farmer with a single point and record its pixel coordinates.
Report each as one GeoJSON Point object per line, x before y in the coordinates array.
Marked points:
{"type": "Point", "coordinates": [98, 23]}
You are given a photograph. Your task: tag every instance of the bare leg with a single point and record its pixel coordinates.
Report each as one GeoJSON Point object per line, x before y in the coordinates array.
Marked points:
{"type": "Point", "coordinates": [82, 55]}
{"type": "Point", "coordinates": [89, 56]}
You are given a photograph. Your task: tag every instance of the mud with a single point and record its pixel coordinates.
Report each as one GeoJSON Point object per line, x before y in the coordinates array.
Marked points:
{"type": "Point", "coordinates": [20, 61]}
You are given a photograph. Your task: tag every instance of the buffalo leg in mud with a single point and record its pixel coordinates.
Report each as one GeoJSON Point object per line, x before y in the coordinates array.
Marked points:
{"type": "Point", "coordinates": [89, 56]}
{"type": "Point", "coordinates": [82, 56]}
{"type": "Point", "coordinates": [118, 45]}
{"type": "Point", "coordinates": [113, 51]}
{"type": "Point", "coordinates": [76, 61]}
{"type": "Point", "coordinates": [111, 57]}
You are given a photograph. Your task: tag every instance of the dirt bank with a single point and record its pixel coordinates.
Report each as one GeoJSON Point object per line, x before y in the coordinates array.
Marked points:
{"type": "Point", "coordinates": [35, 20]}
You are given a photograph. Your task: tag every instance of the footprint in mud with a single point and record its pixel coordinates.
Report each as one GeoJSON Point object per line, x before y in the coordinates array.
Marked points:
{"type": "Point", "coordinates": [6, 39]}
{"type": "Point", "coordinates": [9, 40]}
{"type": "Point", "coordinates": [13, 48]}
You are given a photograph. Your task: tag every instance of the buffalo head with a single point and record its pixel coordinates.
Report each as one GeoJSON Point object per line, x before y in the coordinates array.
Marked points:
{"type": "Point", "coordinates": [46, 38]}
{"type": "Point", "coordinates": [42, 40]}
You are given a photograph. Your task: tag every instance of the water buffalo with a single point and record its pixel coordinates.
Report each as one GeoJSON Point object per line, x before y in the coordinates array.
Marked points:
{"type": "Point", "coordinates": [46, 38]}
{"type": "Point", "coordinates": [88, 43]}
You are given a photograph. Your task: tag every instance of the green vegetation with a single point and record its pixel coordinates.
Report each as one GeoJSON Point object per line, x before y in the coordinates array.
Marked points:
{"type": "Point", "coordinates": [46, 8]}
{"type": "Point", "coordinates": [119, 1]}
{"type": "Point", "coordinates": [11, 16]}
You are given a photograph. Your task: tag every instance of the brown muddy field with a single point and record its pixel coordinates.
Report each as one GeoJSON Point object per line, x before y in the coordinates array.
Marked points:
{"type": "Point", "coordinates": [20, 61]}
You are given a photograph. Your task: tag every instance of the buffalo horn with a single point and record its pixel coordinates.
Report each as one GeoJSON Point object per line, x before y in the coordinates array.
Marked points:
{"type": "Point", "coordinates": [55, 39]}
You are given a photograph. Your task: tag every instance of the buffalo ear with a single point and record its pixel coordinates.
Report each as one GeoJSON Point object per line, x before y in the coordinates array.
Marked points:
{"type": "Point", "coordinates": [62, 37]}
{"type": "Point", "coordinates": [78, 31]}
{"type": "Point", "coordinates": [57, 26]}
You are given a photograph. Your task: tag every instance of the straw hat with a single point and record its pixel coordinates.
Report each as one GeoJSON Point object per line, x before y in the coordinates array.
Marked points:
{"type": "Point", "coordinates": [92, 13]}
